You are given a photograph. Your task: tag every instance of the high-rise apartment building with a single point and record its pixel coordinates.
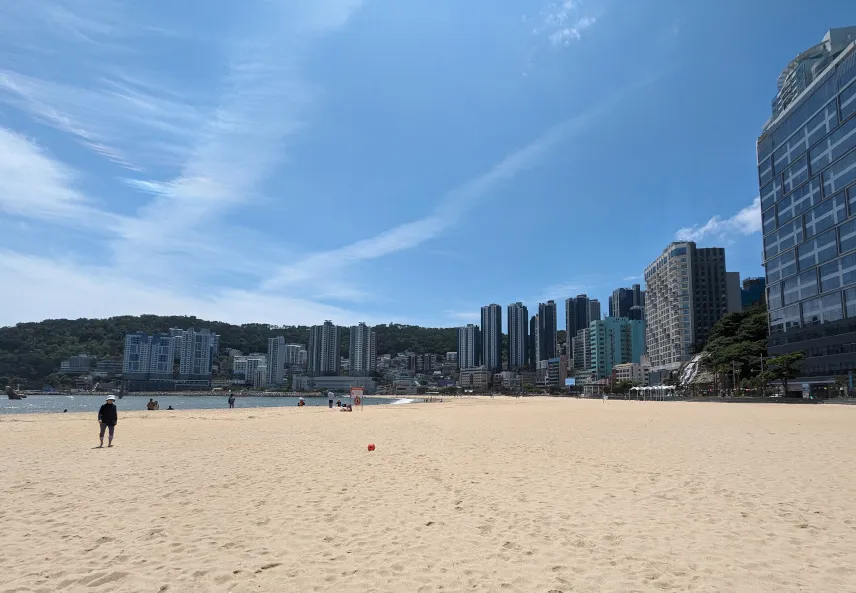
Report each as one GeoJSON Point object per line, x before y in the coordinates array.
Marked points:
{"type": "Point", "coordinates": [686, 295]}
{"type": "Point", "coordinates": [469, 346]}
{"type": "Point", "coordinates": [533, 342]}
{"type": "Point", "coordinates": [547, 326]}
{"type": "Point", "coordinates": [753, 293]}
{"type": "Point", "coordinates": [197, 354]}
{"type": "Point", "coordinates": [491, 336]}
{"type": "Point", "coordinates": [733, 292]}
{"type": "Point", "coordinates": [276, 361]}
{"type": "Point", "coordinates": [135, 363]}
{"type": "Point", "coordinates": [244, 368]}
{"type": "Point", "coordinates": [325, 350]}
{"type": "Point", "coordinates": [614, 341]}
{"type": "Point", "coordinates": [518, 336]}
{"type": "Point", "coordinates": [807, 175]}
{"type": "Point", "coordinates": [624, 299]}
{"type": "Point", "coordinates": [582, 353]}
{"type": "Point", "coordinates": [292, 355]}
{"type": "Point", "coordinates": [594, 310]}
{"type": "Point", "coordinates": [577, 314]}
{"type": "Point", "coordinates": [161, 356]}
{"type": "Point", "coordinates": [636, 313]}
{"type": "Point", "coordinates": [362, 357]}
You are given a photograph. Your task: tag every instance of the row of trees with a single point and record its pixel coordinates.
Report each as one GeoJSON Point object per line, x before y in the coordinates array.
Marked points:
{"type": "Point", "coordinates": [31, 352]}
{"type": "Point", "coordinates": [736, 353]}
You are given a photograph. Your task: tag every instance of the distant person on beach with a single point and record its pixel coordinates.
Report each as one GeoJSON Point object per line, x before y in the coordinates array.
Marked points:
{"type": "Point", "coordinates": [346, 408]}
{"type": "Point", "coordinates": [330, 399]}
{"type": "Point", "coordinates": [170, 408]}
{"type": "Point", "coordinates": [108, 417]}
{"type": "Point", "coordinates": [151, 404]}
{"type": "Point", "coordinates": [231, 401]}
{"type": "Point", "coordinates": [157, 405]}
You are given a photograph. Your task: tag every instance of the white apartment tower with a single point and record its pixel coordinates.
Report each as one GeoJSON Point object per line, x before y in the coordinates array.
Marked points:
{"type": "Point", "coordinates": [244, 368]}
{"type": "Point", "coordinates": [161, 356]}
{"type": "Point", "coordinates": [325, 350]}
{"type": "Point", "coordinates": [276, 361]}
{"type": "Point", "coordinates": [362, 357]}
{"type": "Point", "coordinates": [686, 295]}
{"type": "Point", "coordinates": [292, 355]}
{"type": "Point", "coordinates": [197, 350]}
{"type": "Point", "coordinates": [469, 346]}
{"type": "Point", "coordinates": [136, 359]}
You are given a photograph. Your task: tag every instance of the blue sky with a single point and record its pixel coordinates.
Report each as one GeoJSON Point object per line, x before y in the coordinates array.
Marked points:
{"type": "Point", "coordinates": [290, 161]}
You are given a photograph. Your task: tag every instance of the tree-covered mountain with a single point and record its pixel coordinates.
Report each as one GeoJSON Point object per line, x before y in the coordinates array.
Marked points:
{"type": "Point", "coordinates": [31, 352]}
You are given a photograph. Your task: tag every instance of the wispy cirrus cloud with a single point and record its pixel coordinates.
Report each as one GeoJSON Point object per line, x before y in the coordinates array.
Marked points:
{"type": "Point", "coordinates": [452, 207]}
{"type": "Point", "coordinates": [570, 288]}
{"type": "Point", "coordinates": [745, 222]}
{"type": "Point", "coordinates": [33, 185]}
{"type": "Point", "coordinates": [564, 22]}
{"type": "Point", "coordinates": [194, 156]}
{"type": "Point", "coordinates": [99, 292]}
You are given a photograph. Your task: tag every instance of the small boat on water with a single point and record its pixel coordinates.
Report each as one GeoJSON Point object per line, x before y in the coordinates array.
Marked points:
{"type": "Point", "coordinates": [12, 394]}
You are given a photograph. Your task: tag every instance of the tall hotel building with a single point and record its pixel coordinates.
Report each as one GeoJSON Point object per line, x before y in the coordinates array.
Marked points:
{"type": "Point", "coordinates": [807, 175]}
{"type": "Point", "coordinates": [687, 293]}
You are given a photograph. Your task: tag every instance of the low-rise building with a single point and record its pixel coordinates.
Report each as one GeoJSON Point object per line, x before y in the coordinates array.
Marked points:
{"type": "Point", "coordinates": [551, 373]}
{"type": "Point", "coordinates": [631, 371]}
{"type": "Point", "coordinates": [333, 383]}
{"type": "Point", "coordinates": [476, 379]}
{"type": "Point", "coordinates": [108, 367]}
{"type": "Point", "coordinates": [405, 387]}
{"type": "Point", "coordinates": [77, 365]}
{"type": "Point", "coordinates": [244, 368]}
{"type": "Point", "coordinates": [508, 382]}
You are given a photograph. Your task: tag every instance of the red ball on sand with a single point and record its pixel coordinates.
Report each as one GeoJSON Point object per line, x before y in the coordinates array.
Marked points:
{"type": "Point", "coordinates": [371, 447]}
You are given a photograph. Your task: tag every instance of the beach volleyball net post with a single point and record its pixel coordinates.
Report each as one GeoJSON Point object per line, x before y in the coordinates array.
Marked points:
{"type": "Point", "coordinates": [357, 396]}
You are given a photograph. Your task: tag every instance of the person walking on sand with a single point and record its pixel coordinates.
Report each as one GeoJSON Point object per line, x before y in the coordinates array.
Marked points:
{"type": "Point", "coordinates": [108, 417]}
{"type": "Point", "coordinates": [231, 401]}
{"type": "Point", "coordinates": [330, 399]}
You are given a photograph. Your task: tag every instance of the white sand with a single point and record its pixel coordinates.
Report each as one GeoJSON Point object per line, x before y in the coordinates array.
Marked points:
{"type": "Point", "coordinates": [481, 495]}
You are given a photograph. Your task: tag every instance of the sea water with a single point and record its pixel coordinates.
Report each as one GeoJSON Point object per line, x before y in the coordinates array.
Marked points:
{"type": "Point", "coordinates": [54, 404]}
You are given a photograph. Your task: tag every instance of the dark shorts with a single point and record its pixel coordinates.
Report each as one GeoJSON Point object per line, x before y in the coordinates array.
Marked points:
{"type": "Point", "coordinates": [104, 427]}
{"type": "Point", "coordinates": [331, 403]}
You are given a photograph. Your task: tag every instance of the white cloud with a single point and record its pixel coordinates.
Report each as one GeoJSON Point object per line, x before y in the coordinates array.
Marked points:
{"type": "Point", "coordinates": [745, 222]}
{"type": "Point", "coordinates": [563, 290]}
{"type": "Point", "coordinates": [464, 316]}
{"type": "Point", "coordinates": [47, 288]}
{"type": "Point", "coordinates": [266, 102]}
{"type": "Point", "coordinates": [563, 22]}
{"type": "Point", "coordinates": [201, 158]}
{"type": "Point", "coordinates": [35, 186]}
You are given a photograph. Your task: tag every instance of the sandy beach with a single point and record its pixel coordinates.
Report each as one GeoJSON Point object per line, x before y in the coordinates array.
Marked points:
{"type": "Point", "coordinates": [540, 495]}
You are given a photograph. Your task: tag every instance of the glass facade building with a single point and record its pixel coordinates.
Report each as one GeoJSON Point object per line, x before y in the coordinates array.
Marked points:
{"type": "Point", "coordinates": [807, 175]}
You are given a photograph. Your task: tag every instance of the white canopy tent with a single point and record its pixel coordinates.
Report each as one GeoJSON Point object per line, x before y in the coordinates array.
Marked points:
{"type": "Point", "coordinates": [654, 393]}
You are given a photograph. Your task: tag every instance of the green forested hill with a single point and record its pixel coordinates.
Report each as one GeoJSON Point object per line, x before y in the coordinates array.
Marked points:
{"type": "Point", "coordinates": [31, 352]}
